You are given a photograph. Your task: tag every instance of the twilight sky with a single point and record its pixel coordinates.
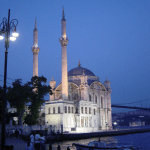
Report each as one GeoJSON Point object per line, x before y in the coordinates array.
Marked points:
{"type": "Point", "coordinates": [111, 38]}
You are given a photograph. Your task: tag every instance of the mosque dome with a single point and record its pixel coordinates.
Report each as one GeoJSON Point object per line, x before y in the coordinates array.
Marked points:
{"type": "Point", "coordinates": [79, 71]}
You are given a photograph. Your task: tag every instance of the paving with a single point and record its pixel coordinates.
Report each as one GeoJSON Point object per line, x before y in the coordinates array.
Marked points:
{"type": "Point", "coordinates": [19, 144]}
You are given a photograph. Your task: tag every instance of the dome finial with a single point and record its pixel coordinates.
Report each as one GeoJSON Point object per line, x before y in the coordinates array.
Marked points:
{"type": "Point", "coordinates": [79, 65]}
{"type": "Point", "coordinates": [52, 79]}
{"type": "Point", "coordinates": [106, 79]}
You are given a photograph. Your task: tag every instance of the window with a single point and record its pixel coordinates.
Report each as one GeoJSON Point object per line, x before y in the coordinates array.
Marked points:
{"type": "Point", "coordinates": [82, 121]}
{"type": "Point", "coordinates": [89, 97]}
{"type": "Point", "coordinates": [53, 110]}
{"type": "Point", "coordinates": [94, 111]}
{"type": "Point", "coordinates": [76, 97]}
{"type": "Point", "coordinates": [76, 109]}
{"type": "Point", "coordinates": [69, 97]}
{"type": "Point", "coordinates": [72, 110]}
{"type": "Point", "coordinates": [68, 109]}
{"type": "Point", "coordinates": [101, 102]}
{"type": "Point", "coordinates": [86, 121]}
{"type": "Point", "coordinates": [95, 99]}
{"type": "Point", "coordinates": [89, 110]}
{"type": "Point", "coordinates": [90, 122]}
{"type": "Point", "coordinates": [65, 109]}
{"type": "Point", "coordinates": [49, 111]}
{"type": "Point", "coordinates": [82, 110]}
{"type": "Point", "coordinates": [86, 110]}
{"type": "Point", "coordinates": [58, 109]}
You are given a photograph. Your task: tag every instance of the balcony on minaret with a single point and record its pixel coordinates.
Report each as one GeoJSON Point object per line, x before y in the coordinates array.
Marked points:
{"type": "Point", "coordinates": [35, 50]}
{"type": "Point", "coordinates": [63, 38]}
{"type": "Point", "coordinates": [63, 41]}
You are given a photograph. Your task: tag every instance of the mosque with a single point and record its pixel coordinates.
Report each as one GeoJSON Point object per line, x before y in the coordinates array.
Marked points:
{"type": "Point", "coordinates": [80, 103]}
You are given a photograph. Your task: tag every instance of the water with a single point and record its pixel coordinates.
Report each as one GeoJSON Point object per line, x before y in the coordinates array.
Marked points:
{"type": "Point", "coordinates": [139, 139]}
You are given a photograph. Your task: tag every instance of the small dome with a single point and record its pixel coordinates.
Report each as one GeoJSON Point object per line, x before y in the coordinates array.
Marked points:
{"type": "Point", "coordinates": [79, 71]}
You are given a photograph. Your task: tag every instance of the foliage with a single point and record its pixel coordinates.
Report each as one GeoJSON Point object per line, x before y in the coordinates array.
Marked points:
{"type": "Point", "coordinates": [10, 115]}
{"type": "Point", "coordinates": [29, 120]}
{"type": "Point", "coordinates": [23, 117]}
{"type": "Point", "coordinates": [43, 115]}
{"type": "Point", "coordinates": [18, 96]}
{"type": "Point", "coordinates": [46, 129]}
{"type": "Point", "coordinates": [37, 98]}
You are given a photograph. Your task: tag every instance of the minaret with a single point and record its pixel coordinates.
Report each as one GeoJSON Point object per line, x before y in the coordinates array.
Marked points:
{"type": "Point", "coordinates": [64, 41]}
{"type": "Point", "coordinates": [35, 49]}
{"type": "Point", "coordinates": [84, 86]}
{"type": "Point", "coordinates": [108, 102]}
{"type": "Point", "coordinates": [53, 86]}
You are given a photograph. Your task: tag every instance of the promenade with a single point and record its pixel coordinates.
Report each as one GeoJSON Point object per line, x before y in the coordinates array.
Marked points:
{"type": "Point", "coordinates": [19, 144]}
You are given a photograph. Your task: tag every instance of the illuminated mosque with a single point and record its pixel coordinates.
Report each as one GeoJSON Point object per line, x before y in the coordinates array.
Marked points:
{"type": "Point", "coordinates": [80, 103]}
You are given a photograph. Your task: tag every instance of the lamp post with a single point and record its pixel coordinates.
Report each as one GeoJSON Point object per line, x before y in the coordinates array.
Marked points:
{"type": "Point", "coordinates": [5, 28]}
{"type": "Point", "coordinates": [115, 125]}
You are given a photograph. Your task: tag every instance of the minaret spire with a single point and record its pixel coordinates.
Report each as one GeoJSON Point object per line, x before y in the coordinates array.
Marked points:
{"type": "Point", "coordinates": [64, 41]}
{"type": "Point", "coordinates": [35, 49]}
{"type": "Point", "coordinates": [79, 64]}
{"type": "Point", "coordinates": [63, 15]}
{"type": "Point", "coordinates": [35, 24]}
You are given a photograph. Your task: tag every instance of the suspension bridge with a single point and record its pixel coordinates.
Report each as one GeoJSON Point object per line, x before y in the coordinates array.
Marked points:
{"type": "Point", "coordinates": [126, 105]}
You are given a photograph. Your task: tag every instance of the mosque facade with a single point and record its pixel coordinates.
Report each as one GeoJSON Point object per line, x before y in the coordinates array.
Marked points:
{"type": "Point", "coordinates": [80, 103]}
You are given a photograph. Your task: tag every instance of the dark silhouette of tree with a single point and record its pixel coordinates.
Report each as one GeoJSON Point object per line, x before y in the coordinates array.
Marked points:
{"type": "Point", "coordinates": [18, 96]}
{"type": "Point", "coordinates": [40, 89]}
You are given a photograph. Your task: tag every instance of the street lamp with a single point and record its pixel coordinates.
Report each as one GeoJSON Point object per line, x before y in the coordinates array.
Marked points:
{"type": "Point", "coordinates": [15, 119]}
{"type": "Point", "coordinates": [115, 125]}
{"type": "Point", "coordinates": [6, 27]}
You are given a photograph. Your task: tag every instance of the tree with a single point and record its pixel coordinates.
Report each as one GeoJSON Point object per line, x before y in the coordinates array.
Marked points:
{"type": "Point", "coordinates": [18, 96]}
{"type": "Point", "coordinates": [40, 89]}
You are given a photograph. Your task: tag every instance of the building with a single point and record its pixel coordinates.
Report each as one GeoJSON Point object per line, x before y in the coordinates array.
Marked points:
{"type": "Point", "coordinates": [80, 103]}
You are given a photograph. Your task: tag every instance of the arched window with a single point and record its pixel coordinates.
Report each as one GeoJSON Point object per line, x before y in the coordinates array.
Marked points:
{"type": "Point", "coordinates": [82, 121]}
{"type": "Point", "coordinates": [49, 111]}
{"type": "Point", "coordinates": [53, 110]}
{"type": "Point", "coordinates": [68, 109]}
{"type": "Point", "coordinates": [58, 109]}
{"type": "Point", "coordinates": [82, 110]}
{"type": "Point", "coordinates": [65, 109]}
{"type": "Point", "coordinates": [101, 102]}
{"type": "Point", "coordinates": [95, 99]}
{"type": "Point", "coordinates": [69, 97]}
{"type": "Point", "coordinates": [72, 110]}
{"type": "Point", "coordinates": [89, 97]}
{"type": "Point", "coordinates": [85, 110]}
{"type": "Point", "coordinates": [76, 110]}
{"type": "Point", "coordinates": [76, 97]}
{"type": "Point", "coordinates": [89, 110]}
{"type": "Point", "coordinates": [94, 111]}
